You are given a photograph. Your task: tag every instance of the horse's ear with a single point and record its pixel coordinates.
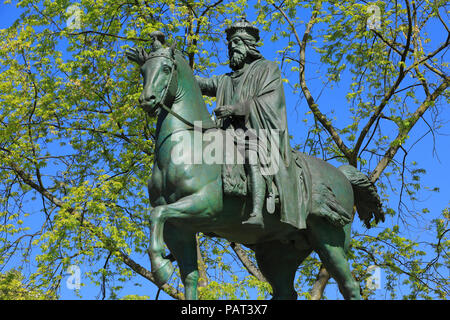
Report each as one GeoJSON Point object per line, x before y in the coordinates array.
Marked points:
{"type": "Point", "coordinates": [172, 50]}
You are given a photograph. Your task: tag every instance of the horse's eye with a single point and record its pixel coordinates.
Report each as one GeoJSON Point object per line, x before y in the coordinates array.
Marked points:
{"type": "Point", "coordinates": [166, 69]}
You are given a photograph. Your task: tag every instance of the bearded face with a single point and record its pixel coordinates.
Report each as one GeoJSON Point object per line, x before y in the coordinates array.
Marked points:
{"type": "Point", "coordinates": [237, 60]}
{"type": "Point", "coordinates": [237, 51]}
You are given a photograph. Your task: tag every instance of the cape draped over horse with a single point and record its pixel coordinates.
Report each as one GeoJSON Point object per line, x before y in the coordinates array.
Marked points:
{"type": "Point", "coordinates": [187, 197]}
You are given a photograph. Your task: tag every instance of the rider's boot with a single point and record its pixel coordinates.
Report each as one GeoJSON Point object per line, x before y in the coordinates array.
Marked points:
{"type": "Point", "coordinates": [258, 189]}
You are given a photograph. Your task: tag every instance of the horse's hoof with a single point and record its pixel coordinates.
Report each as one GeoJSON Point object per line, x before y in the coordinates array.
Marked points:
{"type": "Point", "coordinates": [164, 272]}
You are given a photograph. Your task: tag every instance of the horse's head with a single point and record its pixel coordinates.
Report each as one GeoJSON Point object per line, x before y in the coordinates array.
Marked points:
{"type": "Point", "coordinates": [159, 70]}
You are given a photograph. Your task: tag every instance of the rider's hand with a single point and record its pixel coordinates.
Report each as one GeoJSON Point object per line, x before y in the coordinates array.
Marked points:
{"type": "Point", "coordinates": [223, 111]}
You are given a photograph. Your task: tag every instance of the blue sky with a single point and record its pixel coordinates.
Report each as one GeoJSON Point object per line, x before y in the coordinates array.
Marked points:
{"type": "Point", "coordinates": [430, 152]}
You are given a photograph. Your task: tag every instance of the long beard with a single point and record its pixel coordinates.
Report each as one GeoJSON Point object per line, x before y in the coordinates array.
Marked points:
{"type": "Point", "coordinates": [237, 60]}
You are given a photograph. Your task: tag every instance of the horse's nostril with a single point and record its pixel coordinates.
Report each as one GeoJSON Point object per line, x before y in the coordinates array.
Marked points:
{"type": "Point", "coordinates": [142, 99]}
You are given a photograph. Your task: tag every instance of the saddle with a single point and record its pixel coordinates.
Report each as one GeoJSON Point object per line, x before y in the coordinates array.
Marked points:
{"type": "Point", "coordinates": [321, 200]}
{"type": "Point", "coordinates": [235, 181]}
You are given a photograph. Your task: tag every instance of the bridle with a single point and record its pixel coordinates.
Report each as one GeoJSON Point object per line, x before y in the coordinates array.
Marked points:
{"type": "Point", "coordinates": [173, 81]}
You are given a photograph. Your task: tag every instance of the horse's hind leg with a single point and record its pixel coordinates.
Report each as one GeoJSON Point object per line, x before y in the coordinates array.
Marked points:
{"type": "Point", "coordinates": [278, 263]}
{"type": "Point", "coordinates": [331, 243]}
{"type": "Point", "coordinates": [183, 245]}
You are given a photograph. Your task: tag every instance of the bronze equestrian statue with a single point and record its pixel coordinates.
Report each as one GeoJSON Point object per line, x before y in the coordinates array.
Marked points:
{"type": "Point", "coordinates": [312, 201]}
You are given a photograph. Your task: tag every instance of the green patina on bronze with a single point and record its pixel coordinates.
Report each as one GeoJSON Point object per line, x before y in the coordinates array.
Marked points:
{"type": "Point", "coordinates": [255, 96]}
{"type": "Point", "coordinates": [316, 200]}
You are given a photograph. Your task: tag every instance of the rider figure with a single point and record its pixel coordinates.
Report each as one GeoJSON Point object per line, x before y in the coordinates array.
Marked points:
{"type": "Point", "coordinates": [251, 97]}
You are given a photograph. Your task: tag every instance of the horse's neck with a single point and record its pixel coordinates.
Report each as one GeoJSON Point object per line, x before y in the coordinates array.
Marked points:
{"type": "Point", "coordinates": [188, 104]}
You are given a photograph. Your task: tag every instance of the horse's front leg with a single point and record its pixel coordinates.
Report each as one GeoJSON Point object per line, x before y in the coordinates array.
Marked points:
{"type": "Point", "coordinates": [196, 207]}
{"type": "Point", "coordinates": [183, 246]}
{"type": "Point", "coordinates": [162, 268]}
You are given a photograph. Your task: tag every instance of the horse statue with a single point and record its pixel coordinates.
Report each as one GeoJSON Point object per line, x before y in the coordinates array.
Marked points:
{"type": "Point", "coordinates": [188, 197]}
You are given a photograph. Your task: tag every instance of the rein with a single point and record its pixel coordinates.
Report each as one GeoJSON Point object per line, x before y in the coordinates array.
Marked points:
{"type": "Point", "coordinates": [186, 122]}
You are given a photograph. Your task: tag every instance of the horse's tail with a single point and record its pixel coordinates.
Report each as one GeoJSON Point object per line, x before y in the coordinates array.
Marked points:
{"type": "Point", "coordinates": [367, 201]}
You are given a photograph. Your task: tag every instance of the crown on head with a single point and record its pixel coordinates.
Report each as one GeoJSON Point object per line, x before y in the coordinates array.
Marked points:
{"type": "Point", "coordinates": [242, 26]}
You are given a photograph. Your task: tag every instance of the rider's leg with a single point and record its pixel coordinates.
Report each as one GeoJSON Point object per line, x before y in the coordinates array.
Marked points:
{"type": "Point", "coordinates": [258, 189]}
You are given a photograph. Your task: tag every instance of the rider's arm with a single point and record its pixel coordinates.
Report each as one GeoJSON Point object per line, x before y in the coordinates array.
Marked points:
{"type": "Point", "coordinates": [241, 109]}
{"type": "Point", "coordinates": [208, 86]}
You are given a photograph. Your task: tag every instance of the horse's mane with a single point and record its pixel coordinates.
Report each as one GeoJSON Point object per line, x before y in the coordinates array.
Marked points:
{"type": "Point", "coordinates": [185, 69]}
{"type": "Point", "coordinates": [180, 59]}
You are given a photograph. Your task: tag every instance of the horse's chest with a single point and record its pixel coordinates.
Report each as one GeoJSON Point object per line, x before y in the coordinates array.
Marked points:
{"type": "Point", "coordinates": [170, 181]}
{"type": "Point", "coordinates": [155, 185]}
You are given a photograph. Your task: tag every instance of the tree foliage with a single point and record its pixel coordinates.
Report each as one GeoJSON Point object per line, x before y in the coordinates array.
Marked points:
{"type": "Point", "coordinates": [13, 288]}
{"type": "Point", "coordinates": [76, 151]}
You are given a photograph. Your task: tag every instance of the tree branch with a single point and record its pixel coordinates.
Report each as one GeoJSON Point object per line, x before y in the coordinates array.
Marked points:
{"type": "Point", "coordinates": [321, 282]}
{"type": "Point", "coordinates": [326, 123]}
{"type": "Point", "coordinates": [248, 264]}
{"type": "Point", "coordinates": [403, 132]}
{"type": "Point", "coordinates": [388, 95]}
{"type": "Point", "coordinates": [203, 276]}
{"type": "Point", "coordinates": [109, 244]}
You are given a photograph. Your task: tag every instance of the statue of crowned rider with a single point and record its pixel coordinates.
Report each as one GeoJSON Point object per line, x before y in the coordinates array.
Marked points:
{"type": "Point", "coordinates": [251, 99]}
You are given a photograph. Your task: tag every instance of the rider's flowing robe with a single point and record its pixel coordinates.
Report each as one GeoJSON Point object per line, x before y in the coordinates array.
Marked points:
{"type": "Point", "coordinates": [257, 96]}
